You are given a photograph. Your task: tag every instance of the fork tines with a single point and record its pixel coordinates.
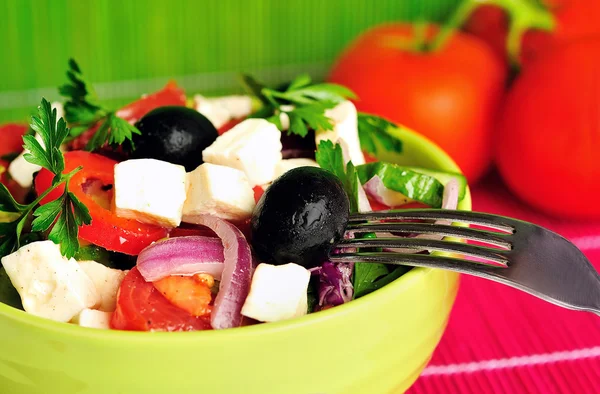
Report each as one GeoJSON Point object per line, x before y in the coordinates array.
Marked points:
{"type": "Point", "coordinates": [396, 236]}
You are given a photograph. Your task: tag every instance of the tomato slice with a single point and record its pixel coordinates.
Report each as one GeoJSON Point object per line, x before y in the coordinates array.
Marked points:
{"type": "Point", "coordinates": [107, 229]}
{"type": "Point", "coordinates": [141, 307]}
{"type": "Point", "coordinates": [11, 141]}
{"type": "Point", "coordinates": [258, 192]}
{"type": "Point", "coordinates": [190, 293]}
{"type": "Point", "coordinates": [171, 94]}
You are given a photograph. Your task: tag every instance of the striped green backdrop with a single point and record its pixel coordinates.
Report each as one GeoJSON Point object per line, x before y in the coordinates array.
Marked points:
{"type": "Point", "coordinates": [128, 47]}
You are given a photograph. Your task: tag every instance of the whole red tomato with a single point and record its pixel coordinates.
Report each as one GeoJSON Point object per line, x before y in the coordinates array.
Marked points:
{"type": "Point", "coordinates": [450, 95]}
{"type": "Point", "coordinates": [547, 146]}
{"type": "Point", "coordinates": [574, 19]}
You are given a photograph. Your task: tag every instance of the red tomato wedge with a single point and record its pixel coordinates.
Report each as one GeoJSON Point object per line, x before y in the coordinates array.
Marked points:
{"type": "Point", "coordinates": [11, 141]}
{"type": "Point", "coordinates": [171, 94]}
{"type": "Point", "coordinates": [190, 293]}
{"type": "Point", "coordinates": [107, 229]}
{"type": "Point", "coordinates": [141, 307]}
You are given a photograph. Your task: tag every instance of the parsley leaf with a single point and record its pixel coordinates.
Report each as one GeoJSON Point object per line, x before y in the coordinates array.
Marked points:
{"type": "Point", "coordinates": [372, 276]}
{"type": "Point", "coordinates": [82, 106]}
{"type": "Point", "coordinates": [62, 216]}
{"type": "Point", "coordinates": [115, 131]}
{"type": "Point", "coordinates": [331, 158]}
{"type": "Point", "coordinates": [83, 110]}
{"type": "Point", "coordinates": [303, 103]}
{"type": "Point", "coordinates": [374, 135]}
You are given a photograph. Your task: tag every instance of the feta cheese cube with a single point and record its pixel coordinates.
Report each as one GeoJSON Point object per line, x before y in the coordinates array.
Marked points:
{"type": "Point", "coordinates": [345, 119]}
{"type": "Point", "coordinates": [220, 110]}
{"type": "Point", "coordinates": [93, 319]}
{"type": "Point", "coordinates": [50, 285]}
{"type": "Point", "coordinates": [106, 280]}
{"type": "Point", "coordinates": [220, 191]}
{"type": "Point", "coordinates": [277, 292]}
{"type": "Point", "coordinates": [150, 191]}
{"type": "Point", "coordinates": [20, 169]}
{"type": "Point", "coordinates": [252, 146]}
{"type": "Point", "coordinates": [288, 164]}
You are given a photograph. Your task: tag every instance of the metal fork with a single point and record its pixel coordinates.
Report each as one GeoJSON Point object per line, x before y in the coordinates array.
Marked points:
{"type": "Point", "coordinates": [519, 254]}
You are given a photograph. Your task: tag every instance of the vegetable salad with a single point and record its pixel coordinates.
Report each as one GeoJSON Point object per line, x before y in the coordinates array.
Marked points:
{"type": "Point", "coordinates": [177, 214]}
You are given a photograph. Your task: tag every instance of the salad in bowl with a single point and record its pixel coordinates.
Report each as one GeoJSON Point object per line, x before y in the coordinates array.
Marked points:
{"type": "Point", "coordinates": [174, 217]}
{"type": "Point", "coordinates": [206, 214]}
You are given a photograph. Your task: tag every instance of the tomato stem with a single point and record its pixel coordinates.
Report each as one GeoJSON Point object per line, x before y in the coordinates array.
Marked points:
{"type": "Point", "coordinates": [524, 15]}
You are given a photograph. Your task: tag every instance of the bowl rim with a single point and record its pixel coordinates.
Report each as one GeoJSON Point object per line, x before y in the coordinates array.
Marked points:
{"type": "Point", "coordinates": [415, 275]}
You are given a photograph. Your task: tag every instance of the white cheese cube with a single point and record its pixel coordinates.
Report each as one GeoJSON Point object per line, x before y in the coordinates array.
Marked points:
{"type": "Point", "coordinates": [289, 164]}
{"type": "Point", "coordinates": [220, 110]}
{"type": "Point", "coordinates": [106, 280]}
{"type": "Point", "coordinates": [238, 106]}
{"type": "Point", "coordinates": [252, 146]}
{"type": "Point", "coordinates": [93, 319]}
{"type": "Point", "coordinates": [219, 191]}
{"type": "Point", "coordinates": [150, 191]}
{"type": "Point", "coordinates": [345, 119]}
{"type": "Point", "coordinates": [50, 285]}
{"type": "Point", "coordinates": [277, 292]}
{"type": "Point", "coordinates": [21, 170]}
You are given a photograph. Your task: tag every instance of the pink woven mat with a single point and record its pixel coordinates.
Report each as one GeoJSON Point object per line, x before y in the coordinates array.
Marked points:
{"type": "Point", "coordinates": [500, 340]}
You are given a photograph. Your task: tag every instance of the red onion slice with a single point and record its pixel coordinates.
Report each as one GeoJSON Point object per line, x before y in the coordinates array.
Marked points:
{"type": "Point", "coordinates": [363, 202]}
{"type": "Point", "coordinates": [236, 276]}
{"type": "Point", "coordinates": [182, 256]}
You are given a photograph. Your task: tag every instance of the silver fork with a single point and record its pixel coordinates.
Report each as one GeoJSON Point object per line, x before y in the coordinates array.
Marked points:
{"type": "Point", "coordinates": [519, 254]}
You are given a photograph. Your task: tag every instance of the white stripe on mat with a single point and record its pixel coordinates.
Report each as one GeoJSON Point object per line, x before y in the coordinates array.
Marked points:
{"type": "Point", "coordinates": [512, 362]}
{"type": "Point", "coordinates": [590, 242]}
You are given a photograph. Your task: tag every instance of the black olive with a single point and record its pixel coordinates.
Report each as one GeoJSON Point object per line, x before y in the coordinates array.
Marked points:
{"type": "Point", "coordinates": [299, 217]}
{"type": "Point", "coordinates": [174, 134]}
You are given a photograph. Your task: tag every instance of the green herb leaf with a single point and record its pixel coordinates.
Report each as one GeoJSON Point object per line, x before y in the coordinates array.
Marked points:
{"type": "Point", "coordinates": [414, 185]}
{"type": "Point", "coordinates": [64, 215]}
{"type": "Point", "coordinates": [331, 158]}
{"type": "Point", "coordinates": [52, 133]}
{"type": "Point", "coordinates": [7, 202]}
{"type": "Point", "coordinates": [114, 131]}
{"type": "Point", "coordinates": [82, 106]}
{"type": "Point", "coordinates": [83, 110]}
{"type": "Point", "coordinates": [313, 115]}
{"type": "Point", "coordinates": [374, 135]}
{"type": "Point", "coordinates": [66, 228]}
{"type": "Point", "coordinates": [305, 104]}
{"type": "Point", "coordinates": [300, 81]}
{"type": "Point", "coordinates": [46, 214]}
{"type": "Point", "coordinates": [254, 88]}
{"type": "Point", "coordinates": [365, 274]}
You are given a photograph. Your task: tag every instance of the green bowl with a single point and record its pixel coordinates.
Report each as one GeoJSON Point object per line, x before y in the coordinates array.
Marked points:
{"type": "Point", "coordinates": [376, 344]}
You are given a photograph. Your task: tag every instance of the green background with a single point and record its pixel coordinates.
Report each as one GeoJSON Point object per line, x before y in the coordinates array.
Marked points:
{"type": "Point", "coordinates": [132, 47]}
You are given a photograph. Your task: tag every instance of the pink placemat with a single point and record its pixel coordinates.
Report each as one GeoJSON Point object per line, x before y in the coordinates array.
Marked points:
{"type": "Point", "coordinates": [500, 340]}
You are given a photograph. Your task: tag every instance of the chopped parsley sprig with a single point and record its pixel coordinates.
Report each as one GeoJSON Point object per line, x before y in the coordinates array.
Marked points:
{"type": "Point", "coordinates": [83, 110]}
{"type": "Point", "coordinates": [61, 217]}
{"type": "Point", "coordinates": [303, 102]}
{"type": "Point", "coordinates": [330, 157]}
